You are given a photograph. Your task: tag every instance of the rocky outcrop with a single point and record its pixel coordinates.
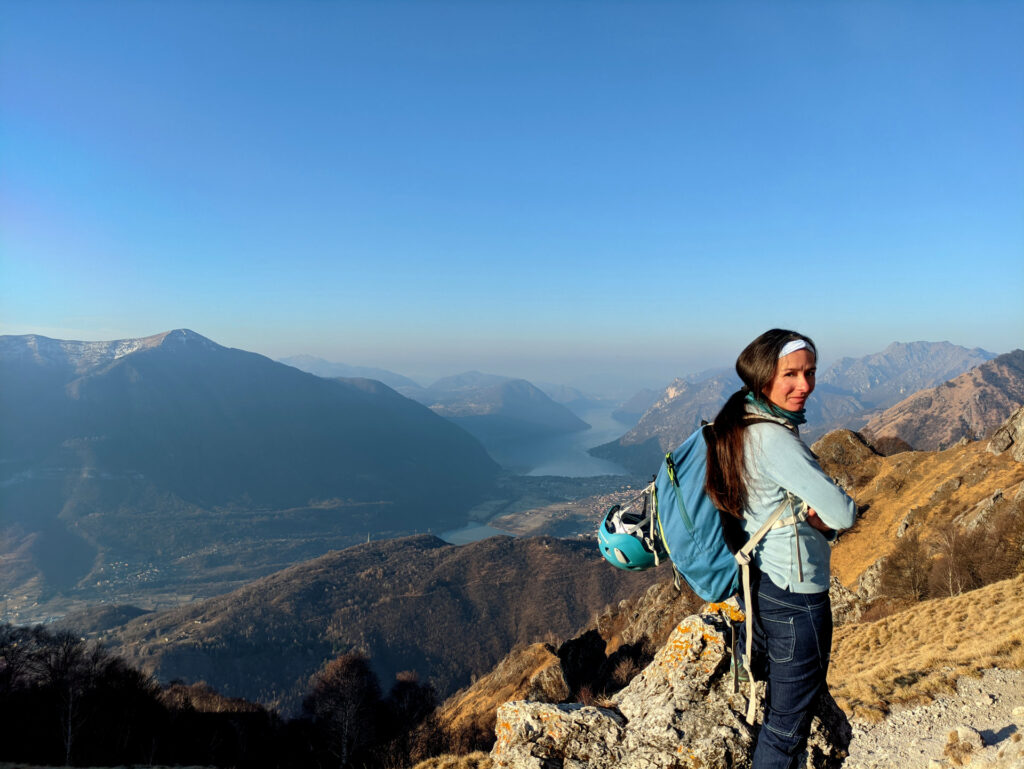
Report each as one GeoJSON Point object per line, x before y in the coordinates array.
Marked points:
{"type": "Point", "coordinates": [679, 712]}
{"type": "Point", "coordinates": [847, 606]}
{"type": "Point", "coordinates": [847, 458]}
{"type": "Point", "coordinates": [1010, 437]}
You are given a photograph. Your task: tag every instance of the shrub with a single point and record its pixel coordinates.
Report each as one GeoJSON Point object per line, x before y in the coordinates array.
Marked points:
{"type": "Point", "coordinates": [904, 574]}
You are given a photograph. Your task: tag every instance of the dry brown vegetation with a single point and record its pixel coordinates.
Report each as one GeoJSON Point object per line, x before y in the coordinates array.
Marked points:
{"type": "Point", "coordinates": [265, 640]}
{"type": "Point", "coordinates": [924, 490]}
{"type": "Point", "coordinates": [477, 705]}
{"type": "Point", "coordinates": [203, 699]}
{"type": "Point", "coordinates": [476, 760]}
{"type": "Point", "coordinates": [914, 655]}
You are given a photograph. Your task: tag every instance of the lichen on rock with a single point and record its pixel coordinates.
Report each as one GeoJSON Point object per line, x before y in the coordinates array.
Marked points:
{"type": "Point", "coordinates": [681, 711]}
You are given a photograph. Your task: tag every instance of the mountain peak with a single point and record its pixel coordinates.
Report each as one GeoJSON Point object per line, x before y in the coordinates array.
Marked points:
{"type": "Point", "coordinates": [182, 337]}
{"type": "Point", "coordinates": [81, 356]}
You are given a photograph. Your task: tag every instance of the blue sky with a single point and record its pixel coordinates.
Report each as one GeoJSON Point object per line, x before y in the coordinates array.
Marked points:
{"type": "Point", "coordinates": [556, 190]}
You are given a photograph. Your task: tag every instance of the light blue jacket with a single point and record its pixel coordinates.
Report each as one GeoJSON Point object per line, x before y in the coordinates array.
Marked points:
{"type": "Point", "coordinates": [778, 461]}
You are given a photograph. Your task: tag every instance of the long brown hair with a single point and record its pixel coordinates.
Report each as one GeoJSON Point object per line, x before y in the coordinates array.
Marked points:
{"type": "Point", "coordinates": [726, 476]}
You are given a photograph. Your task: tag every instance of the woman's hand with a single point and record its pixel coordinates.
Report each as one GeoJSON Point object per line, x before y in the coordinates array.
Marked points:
{"type": "Point", "coordinates": [816, 522]}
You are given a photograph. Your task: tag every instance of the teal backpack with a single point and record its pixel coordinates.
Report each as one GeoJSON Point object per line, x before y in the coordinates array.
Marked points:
{"type": "Point", "coordinates": [691, 525]}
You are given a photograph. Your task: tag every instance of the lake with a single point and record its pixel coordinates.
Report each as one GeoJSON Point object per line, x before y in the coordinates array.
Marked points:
{"type": "Point", "coordinates": [565, 454]}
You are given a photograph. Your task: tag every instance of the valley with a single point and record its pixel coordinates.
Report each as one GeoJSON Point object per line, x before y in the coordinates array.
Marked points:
{"type": "Point", "coordinates": [204, 554]}
{"type": "Point", "coordinates": [426, 568]}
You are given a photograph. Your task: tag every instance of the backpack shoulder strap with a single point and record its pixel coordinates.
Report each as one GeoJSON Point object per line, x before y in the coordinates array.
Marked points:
{"type": "Point", "coordinates": [743, 556]}
{"type": "Point", "coordinates": [743, 559]}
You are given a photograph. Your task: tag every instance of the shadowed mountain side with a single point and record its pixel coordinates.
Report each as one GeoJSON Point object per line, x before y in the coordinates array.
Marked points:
{"type": "Point", "coordinates": [414, 603]}
{"type": "Point", "coordinates": [213, 426]}
{"type": "Point", "coordinates": [176, 423]}
{"type": "Point", "coordinates": [970, 406]}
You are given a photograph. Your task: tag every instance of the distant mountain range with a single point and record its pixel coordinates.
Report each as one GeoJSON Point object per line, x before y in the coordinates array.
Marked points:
{"type": "Point", "coordinates": [415, 603]}
{"type": "Point", "coordinates": [969, 406]}
{"type": "Point", "coordinates": [677, 412]}
{"type": "Point", "coordinates": [326, 368]}
{"type": "Point", "coordinates": [493, 408]}
{"type": "Point", "coordinates": [573, 399]}
{"type": "Point", "coordinates": [884, 378]}
{"type": "Point", "coordinates": [112, 446]}
{"type": "Point", "coordinates": [848, 393]}
{"type": "Point", "coordinates": [498, 409]}
{"type": "Point", "coordinates": [635, 407]}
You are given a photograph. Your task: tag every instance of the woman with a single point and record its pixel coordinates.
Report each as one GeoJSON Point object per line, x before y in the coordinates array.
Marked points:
{"type": "Point", "coordinates": [756, 460]}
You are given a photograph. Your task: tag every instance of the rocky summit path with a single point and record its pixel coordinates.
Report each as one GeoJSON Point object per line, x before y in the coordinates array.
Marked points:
{"type": "Point", "coordinates": [988, 711]}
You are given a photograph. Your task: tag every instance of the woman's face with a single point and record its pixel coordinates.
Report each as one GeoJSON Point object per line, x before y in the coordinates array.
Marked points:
{"type": "Point", "coordinates": [793, 380]}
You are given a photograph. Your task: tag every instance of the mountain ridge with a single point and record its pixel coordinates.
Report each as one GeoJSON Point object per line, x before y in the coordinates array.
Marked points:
{"type": "Point", "coordinates": [330, 370]}
{"type": "Point", "coordinates": [265, 639]}
{"type": "Point", "coordinates": [838, 401]}
{"type": "Point", "coordinates": [970, 406]}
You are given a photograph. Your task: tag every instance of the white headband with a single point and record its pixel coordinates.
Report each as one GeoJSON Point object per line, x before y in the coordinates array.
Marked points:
{"type": "Point", "coordinates": [793, 346]}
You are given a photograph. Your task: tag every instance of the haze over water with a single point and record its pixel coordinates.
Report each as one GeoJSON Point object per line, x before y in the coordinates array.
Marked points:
{"type": "Point", "coordinates": [566, 454]}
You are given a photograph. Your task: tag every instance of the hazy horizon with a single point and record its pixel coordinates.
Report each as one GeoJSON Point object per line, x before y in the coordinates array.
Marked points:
{"type": "Point", "coordinates": [567, 192]}
{"type": "Point", "coordinates": [593, 377]}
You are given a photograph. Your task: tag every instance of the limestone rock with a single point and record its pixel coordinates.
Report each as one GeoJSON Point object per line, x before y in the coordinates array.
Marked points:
{"type": "Point", "coordinates": [968, 735]}
{"type": "Point", "coordinates": [531, 734]}
{"type": "Point", "coordinates": [869, 582]}
{"type": "Point", "coordinates": [548, 684]}
{"type": "Point", "coordinates": [1010, 437]}
{"type": "Point", "coordinates": [679, 712]}
{"type": "Point", "coordinates": [846, 606]}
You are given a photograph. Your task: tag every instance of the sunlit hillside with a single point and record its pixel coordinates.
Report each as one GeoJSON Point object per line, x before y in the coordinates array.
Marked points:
{"type": "Point", "coordinates": [923, 490]}
{"type": "Point", "coordinates": [916, 654]}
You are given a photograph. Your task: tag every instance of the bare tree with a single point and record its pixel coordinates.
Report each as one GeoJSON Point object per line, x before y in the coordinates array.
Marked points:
{"type": "Point", "coordinates": [905, 572]}
{"type": "Point", "coordinates": [344, 702]}
{"type": "Point", "coordinates": [961, 555]}
{"type": "Point", "coordinates": [69, 669]}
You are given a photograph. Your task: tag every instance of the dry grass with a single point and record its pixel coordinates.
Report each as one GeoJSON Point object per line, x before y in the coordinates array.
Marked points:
{"type": "Point", "coordinates": [509, 680]}
{"type": "Point", "coordinates": [893, 486]}
{"type": "Point", "coordinates": [916, 654]}
{"type": "Point", "coordinates": [478, 760]}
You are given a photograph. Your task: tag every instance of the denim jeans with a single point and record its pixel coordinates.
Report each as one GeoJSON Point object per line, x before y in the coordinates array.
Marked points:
{"type": "Point", "coordinates": [792, 641]}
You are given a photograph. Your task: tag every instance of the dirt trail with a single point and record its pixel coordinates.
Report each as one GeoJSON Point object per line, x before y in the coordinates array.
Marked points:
{"type": "Point", "coordinates": [916, 737]}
